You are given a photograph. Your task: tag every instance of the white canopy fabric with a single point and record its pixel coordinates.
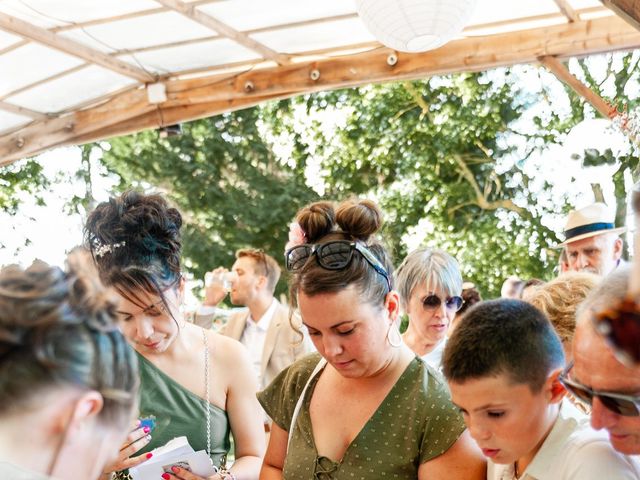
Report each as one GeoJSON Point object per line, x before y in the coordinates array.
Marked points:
{"type": "Point", "coordinates": [73, 71]}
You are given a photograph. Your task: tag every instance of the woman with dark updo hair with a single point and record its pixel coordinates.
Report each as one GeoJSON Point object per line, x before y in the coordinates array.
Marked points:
{"type": "Point", "coordinates": [365, 407]}
{"type": "Point", "coordinates": [68, 378]}
{"type": "Point", "coordinates": [195, 382]}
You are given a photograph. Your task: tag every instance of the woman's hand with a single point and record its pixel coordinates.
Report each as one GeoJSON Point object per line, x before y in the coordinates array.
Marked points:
{"type": "Point", "coordinates": [136, 440]}
{"type": "Point", "coordinates": [182, 474]}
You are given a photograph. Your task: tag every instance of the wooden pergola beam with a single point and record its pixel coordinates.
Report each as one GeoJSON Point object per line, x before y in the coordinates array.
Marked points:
{"type": "Point", "coordinates": [567, 10]}
{"type": "Point", "coordinates": [225, 30]}
{"type": "Point", "coordinates": [563, 74]}
{"type": "Point", "coordinates": [189, 99]}
{"type": "Point", "coordinates": [45, 37]}
{"type": "Point", "coordinates": [629, 10]}
{"type": "Point", "coordinates": [25, 112]}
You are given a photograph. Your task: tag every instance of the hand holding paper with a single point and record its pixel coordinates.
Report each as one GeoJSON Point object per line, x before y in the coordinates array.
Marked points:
{"type": "Point", "coordinates": [178, 453]}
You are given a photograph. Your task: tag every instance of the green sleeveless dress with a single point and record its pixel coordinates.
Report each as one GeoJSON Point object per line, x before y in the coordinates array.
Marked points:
{"type": "Point", "coordinates": [415, 423]}
{"type": "Point", "coordinates": [179, 412]}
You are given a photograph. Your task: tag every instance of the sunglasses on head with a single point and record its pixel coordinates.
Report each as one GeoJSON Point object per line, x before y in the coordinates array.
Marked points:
{"type": "Point", "coordinates": [335, 255]}
{"type": "Point", "coordinates": [625, 405]}
{"type": "Point", "coordinates": [620, 326]}
{"type": "Point", "coordinates": [432, 302]}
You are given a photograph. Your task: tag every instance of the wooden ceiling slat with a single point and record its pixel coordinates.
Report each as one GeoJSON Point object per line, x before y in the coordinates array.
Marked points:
{"type": "Point", "coordinates": [45, 37]}
{"type": "Point", "coordinates": [12, 47]}
{"type": "Point", "coordinates": [9, 107]}
{"type": "Point", "coordinates": [124, 16]}
{"type": "Point", "coordinates": [567, 10]}
{"type": "Point", "coordinates": [202, 97]}
{"type": "Point", "coordinates": [208, 21]}
{"type": "Point", "coordinates": [43, 81]}
{"type": "Point", "coordinates": [301, 23]}
{"type": "Point", "coordinates": [191, 41]}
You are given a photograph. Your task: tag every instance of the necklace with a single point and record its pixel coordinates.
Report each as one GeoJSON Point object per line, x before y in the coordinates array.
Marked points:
{"type": "Point", "coordinates": [207, 406]}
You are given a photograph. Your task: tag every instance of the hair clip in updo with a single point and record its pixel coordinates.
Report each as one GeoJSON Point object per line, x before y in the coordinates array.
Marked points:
{"type": "Point", "coordinates": [297, 236]}
{"type": "Point", "coordinates": [102, 250]}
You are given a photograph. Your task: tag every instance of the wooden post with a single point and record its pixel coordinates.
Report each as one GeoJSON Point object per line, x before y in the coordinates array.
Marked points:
{"type": "Point", "coordinates": [629, 10]}
{"type": "Point", "coordinates": [556, 67]}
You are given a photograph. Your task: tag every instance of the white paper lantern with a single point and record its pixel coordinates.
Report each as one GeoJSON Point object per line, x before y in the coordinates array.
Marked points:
{"type": "Point", "coordinates": [415, 25]}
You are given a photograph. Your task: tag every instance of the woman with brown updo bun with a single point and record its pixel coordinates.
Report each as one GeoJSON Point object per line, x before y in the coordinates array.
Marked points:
{"type": "Point", "coordinates": [68, 378]}
{"type": "Point", "coordinates": [365, 407]}
{"type": "Point", "coordinates": [195, 382]}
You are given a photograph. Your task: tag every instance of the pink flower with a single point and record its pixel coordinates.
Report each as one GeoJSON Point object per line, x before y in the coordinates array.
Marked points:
{"type": "Point", "coordinates": [296, 236]}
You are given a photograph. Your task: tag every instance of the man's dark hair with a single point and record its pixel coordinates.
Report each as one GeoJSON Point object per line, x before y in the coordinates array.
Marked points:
{"type": "Point", "coordinates": [503, 336]}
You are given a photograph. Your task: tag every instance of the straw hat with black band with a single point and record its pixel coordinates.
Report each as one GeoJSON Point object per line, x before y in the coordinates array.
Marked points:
{"type": "Point", "coordinates": [588, 222]}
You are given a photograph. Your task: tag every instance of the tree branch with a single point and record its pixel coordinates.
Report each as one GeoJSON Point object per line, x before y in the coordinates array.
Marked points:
{"type": "Point", "coordinates": [419, 99]}
{"type": "Point", "coordinates": [597, 192]}
{"type": "Point", "coordinates": [481, 200]}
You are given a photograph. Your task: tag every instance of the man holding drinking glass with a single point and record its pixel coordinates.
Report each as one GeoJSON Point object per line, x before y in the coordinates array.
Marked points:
{"type": "Point", "coordinates": [263, 327]}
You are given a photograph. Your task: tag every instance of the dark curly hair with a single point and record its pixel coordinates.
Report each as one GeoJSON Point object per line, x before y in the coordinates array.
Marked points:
{"type": "Point", "coordinates": [136, 244]}
{"type": "Point", "coordinates": [352, 220]}
{"type": "Point", "coordinates": [58, 329]}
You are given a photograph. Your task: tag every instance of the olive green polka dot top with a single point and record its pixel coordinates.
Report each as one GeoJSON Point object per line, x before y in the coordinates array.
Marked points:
{"type": "Point", "coordinates": [415, 423]}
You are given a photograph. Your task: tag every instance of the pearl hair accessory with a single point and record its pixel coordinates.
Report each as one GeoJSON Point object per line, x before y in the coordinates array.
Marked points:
{"type": "Point", "coordinates": [102, 250]}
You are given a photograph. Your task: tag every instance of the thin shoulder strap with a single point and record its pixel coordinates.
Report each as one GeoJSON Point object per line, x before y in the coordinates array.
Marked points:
{"type": "Point", "coordinates": [296, 411]}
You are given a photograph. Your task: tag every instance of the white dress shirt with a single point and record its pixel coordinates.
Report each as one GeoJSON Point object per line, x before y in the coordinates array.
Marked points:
{"type": "Point", "coordinates": [572, 451]}
{"type": "Point", "coordinates": [434, 357]}
{"type": "Point", "coordinates": [253, 338]}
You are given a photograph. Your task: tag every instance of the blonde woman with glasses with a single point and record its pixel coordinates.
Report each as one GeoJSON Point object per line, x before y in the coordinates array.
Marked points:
{"type": "Point", "coordinates": [430, 289]}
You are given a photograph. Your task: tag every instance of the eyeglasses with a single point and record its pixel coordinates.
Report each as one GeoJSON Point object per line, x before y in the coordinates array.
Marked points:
{"type": "Point", "coordinates": [432, 302]}
{"type": "Point", "coordinates": [625, 405]}
{"type": "Point", "coordinates": [335, 255]}
{"type": "Point", "coordinates": [263, 258]}
{"type": "Point", "coordinates": [620, 327]}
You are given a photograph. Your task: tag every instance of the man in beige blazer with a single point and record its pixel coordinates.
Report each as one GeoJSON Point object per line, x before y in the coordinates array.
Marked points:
{"type": "Point", "coordinates": [264, 326]}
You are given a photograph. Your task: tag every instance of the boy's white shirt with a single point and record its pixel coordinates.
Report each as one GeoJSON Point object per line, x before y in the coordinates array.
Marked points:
{"type": "Point", "coordinates": [573, 451]}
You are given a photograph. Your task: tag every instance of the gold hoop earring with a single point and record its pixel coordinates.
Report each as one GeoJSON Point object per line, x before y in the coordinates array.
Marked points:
{"type": "Point", "coordinates": [396, 335]}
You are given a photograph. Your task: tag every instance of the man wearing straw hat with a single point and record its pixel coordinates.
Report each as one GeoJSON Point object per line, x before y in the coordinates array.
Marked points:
{"type": "Point", "coordinates": [591, 241]}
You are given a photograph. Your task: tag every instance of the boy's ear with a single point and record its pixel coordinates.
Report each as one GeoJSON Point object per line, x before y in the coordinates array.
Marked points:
{"type": "Point", "coordinates": [556, 391]}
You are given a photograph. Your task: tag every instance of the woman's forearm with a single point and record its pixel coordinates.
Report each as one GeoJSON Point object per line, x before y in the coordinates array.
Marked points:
{"type": "Point", "coordinates": [246, 467]}
{"type": "Point", "coordinates": [270, 472]}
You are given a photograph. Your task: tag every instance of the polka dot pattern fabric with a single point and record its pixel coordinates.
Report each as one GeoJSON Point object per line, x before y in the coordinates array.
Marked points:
{"type": "Point", "coordinates": [414, 424]}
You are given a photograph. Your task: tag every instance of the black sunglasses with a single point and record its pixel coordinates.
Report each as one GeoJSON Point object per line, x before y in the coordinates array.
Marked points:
{"type": "Point", "coordinates": [335, 255]}
{"type": "Point", "coordinates": [431, 302]}
{"type": "Point", "coordinates": [620, 326]}
{"type": "Point", "coordinates": [625, 405]}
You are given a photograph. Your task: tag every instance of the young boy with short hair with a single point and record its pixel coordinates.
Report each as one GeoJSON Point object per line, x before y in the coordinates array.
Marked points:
{"type": "Point", "coordinates": [503, 364]}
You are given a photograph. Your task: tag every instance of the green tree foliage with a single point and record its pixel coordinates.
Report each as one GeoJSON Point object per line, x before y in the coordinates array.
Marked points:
{"type": "Point", "coordinates": [617, 83]}
{"type": "Point", "coordinates": [20, 179]}
{"type": "Point", "coordinates": [24, 177]}
{"type": "Point", "coordinates": [440, 154]}
{"type": "Point", "coordinates": [224, 177]}
{"type": "Point", "coordinates": [446, 158]}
